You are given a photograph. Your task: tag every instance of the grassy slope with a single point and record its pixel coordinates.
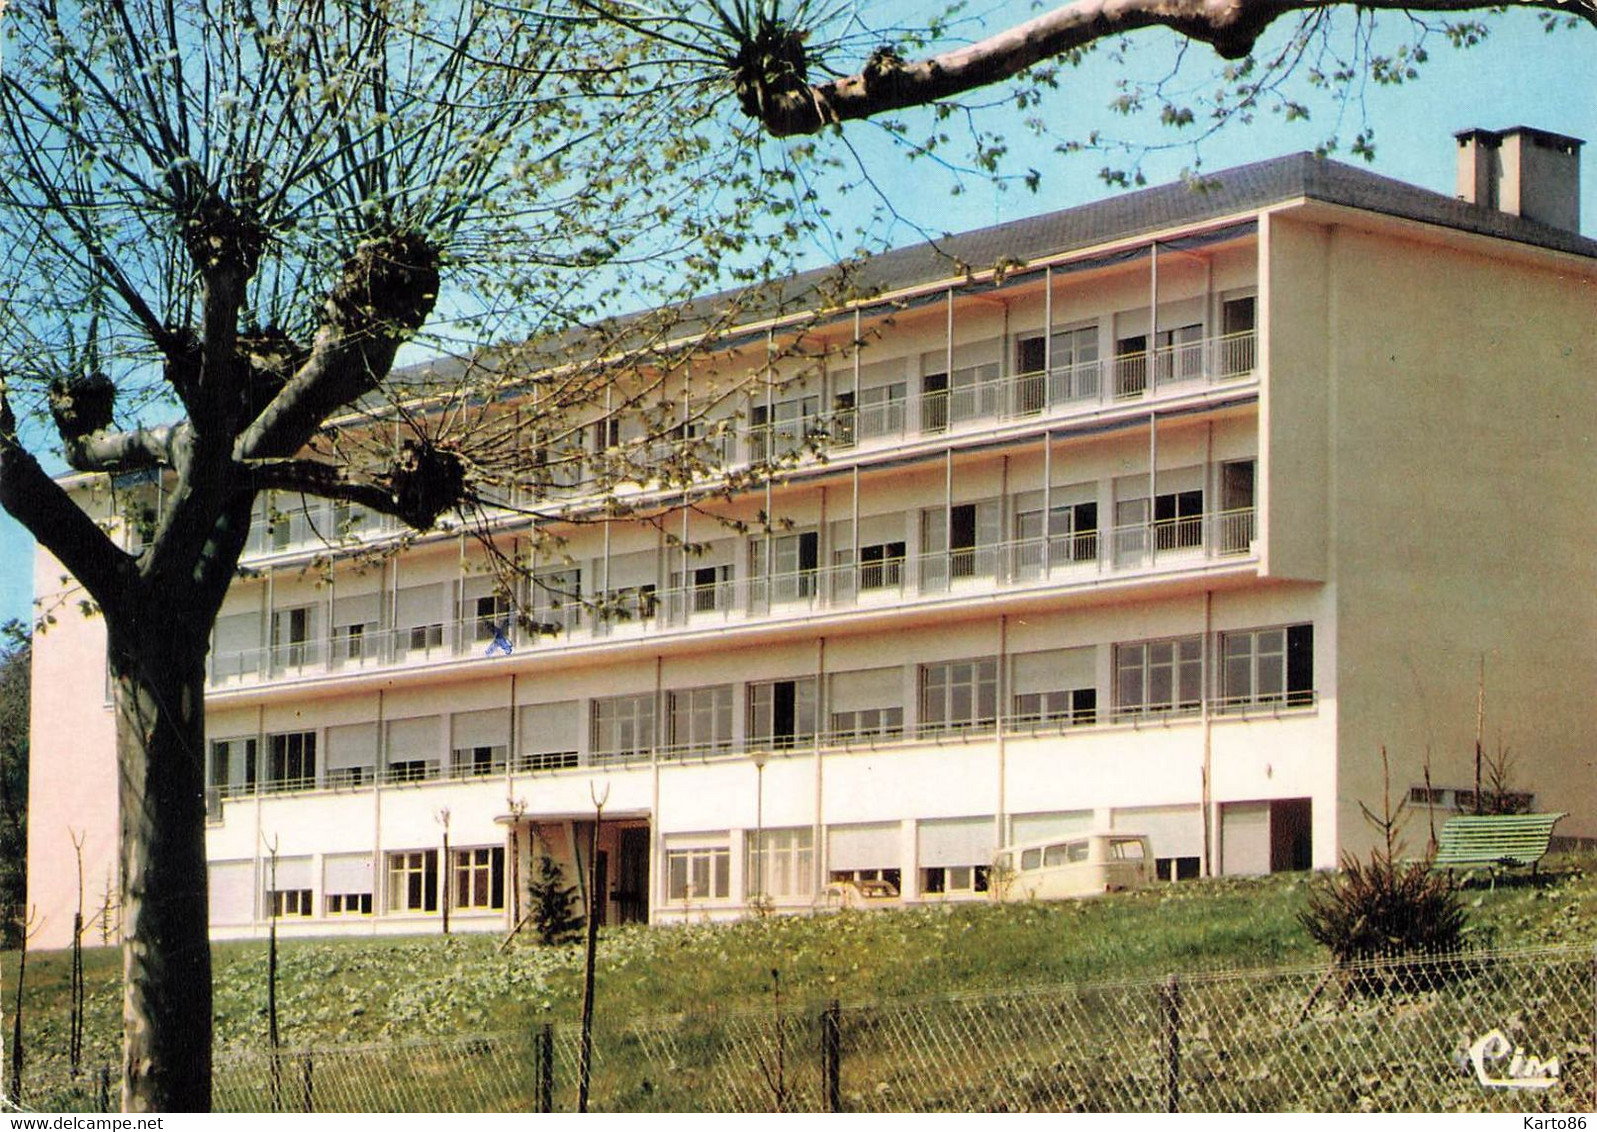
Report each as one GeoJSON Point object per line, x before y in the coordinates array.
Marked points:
{"type": "Point", "coordinates": [375, 989]}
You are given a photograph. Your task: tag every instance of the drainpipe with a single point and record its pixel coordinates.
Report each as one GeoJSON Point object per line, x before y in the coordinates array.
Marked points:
{"type": "Point", "coordinates": [998, 724]}
{"type": "Point", "coordinates": [1208, 735]}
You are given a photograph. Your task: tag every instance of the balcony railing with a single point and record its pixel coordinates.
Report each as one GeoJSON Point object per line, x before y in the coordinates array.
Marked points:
{"type": "Point", "coordinates": [938, 734]}
{"type": "Point", "coordinates": [982, 401]}
{"type": "Point", "coordinates": [1062, 560]}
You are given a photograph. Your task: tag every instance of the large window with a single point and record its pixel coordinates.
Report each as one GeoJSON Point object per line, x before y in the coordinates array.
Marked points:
{"type": "Point", "coordinates": [1077, 707]}
{"type": "Point", "coordinates": [232, 769]}
{"type": "Point", "coordinates": [1071, 373]}
{"type": "Point", "coordinates": [623, 726]}
{"type": "Point", "coordinates": [1267, 666]}
{"type": "Point", "coordinates": [701, 719]}
{"type": "Point", "coordinates": [291, 634]}
{"type": "Point", "coordinates": [781, 863]}
{"type": "Point", "coordinates": [791, 562]}
{"type": "Point", "coordinates": [958, 541]}
{"type": "Point", "coordinates": [1071, 535]}
{"type": "Point", "coordinates": [698, 874]}
{"type": "Point", "coordinates": [293, 758]}
{"type": "Point", "coordinates": [1158, 676]}
{"type": "Point", "coordinates": [479, 880]}
{"type": "Point", "coordinates": [958, 694]}
{"type": "Point", "coordinates": [782, 713]}
{"type": "Point", "coordinates": [413, 881]}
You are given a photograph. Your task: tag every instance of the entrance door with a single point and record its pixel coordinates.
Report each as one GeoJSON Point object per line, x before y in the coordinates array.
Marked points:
{"type": "Point", "coordinates": [632, 876]}
{"type": "Point", "coordinates": [1291, 835]}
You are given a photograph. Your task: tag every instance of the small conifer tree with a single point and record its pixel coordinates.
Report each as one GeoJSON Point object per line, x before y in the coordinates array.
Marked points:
{"type": "Point", "coordinates": [553, 903]}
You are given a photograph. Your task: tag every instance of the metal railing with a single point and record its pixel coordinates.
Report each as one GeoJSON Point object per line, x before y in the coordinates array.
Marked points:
{"type": "Point", "coordinates": [1058, 560]}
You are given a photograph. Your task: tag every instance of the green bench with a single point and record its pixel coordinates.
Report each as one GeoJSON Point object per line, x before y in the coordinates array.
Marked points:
{"type": "Point", "coordinates": [1495, 840]}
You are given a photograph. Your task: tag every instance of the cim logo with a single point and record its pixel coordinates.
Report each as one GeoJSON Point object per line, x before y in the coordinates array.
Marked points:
{"type": "Point", "coordinates": [1488, 1054]}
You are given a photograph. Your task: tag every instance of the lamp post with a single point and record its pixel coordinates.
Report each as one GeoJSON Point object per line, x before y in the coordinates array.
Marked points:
{"type": "Point", "coordinates": [759, 758]}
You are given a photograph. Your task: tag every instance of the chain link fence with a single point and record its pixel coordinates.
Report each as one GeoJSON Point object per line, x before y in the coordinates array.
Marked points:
{"type": "Point", "coordinates": [1488, 1032]}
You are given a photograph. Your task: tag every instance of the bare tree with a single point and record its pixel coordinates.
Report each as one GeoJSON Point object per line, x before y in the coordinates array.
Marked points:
{"type": "Point", "coordinates": [802, 67]}
{"type": "Point", "coordinates": [224, 221]}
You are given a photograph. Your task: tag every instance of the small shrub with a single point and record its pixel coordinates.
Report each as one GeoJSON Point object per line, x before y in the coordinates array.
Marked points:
{"type": "Point", "coordinates": [553, 902]}
{"type": "Point", "coordinates": [1384, 909]}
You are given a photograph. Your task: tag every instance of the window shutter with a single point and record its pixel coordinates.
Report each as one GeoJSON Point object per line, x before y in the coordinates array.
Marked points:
{"type": "Point", "coordinates": [868, 688]}
{"type": "Point", "coordinates": [351, 873]}
{"type": "Point", "coordinates": [1055, 670]}
{"type": "Point", "coordinates": [357, 609]}
{"type": "Point", "coordinates": [954, 841]}
{"type": "Point", "coordinates": [547, 728]}
{"type": "Point", "coordinates": [292, 872]}
{"type": "Point", "coordinates": [875, 846]}
{"type": "Point", "coordinates": [232, 892]}
{"type": "Point", "coordinates": [410, 739]}
{"type": "Point", "coordinates": [489, 728]}
{"type": "Point", "coordinates": [352, 745]}
{"type": "Point", "coordinates": [1175, 831]}
{"type": "Point", "coordinates": [1036, 827]}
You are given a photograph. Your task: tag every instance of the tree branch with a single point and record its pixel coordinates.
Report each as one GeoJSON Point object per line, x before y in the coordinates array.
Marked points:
{"type": "Point", "coordinates": [387, 290]}
{"type": "Point", "coordinates": [323, 480]}
{"type": "Point", "coordinates": [118, 452]}
{"type": "Point", "coordinates": [45, 509]}
{"type": "Point", "coordinates": [788, 106]}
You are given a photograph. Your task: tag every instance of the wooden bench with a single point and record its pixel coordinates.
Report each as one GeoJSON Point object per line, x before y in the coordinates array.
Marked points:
{"type": "Point", "coordinates": [1495, 840]}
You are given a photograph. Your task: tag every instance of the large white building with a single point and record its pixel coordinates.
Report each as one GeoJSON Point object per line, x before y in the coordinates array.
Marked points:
{"type": "Point", "coordinates": [1169, 525]}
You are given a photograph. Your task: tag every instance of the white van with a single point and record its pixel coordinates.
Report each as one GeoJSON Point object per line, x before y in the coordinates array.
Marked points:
{"type": "Point", "coordinates": [1061, 868]}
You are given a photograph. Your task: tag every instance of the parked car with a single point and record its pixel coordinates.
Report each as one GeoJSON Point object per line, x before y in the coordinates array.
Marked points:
{"type": "Point", "coordinates": [1062, 868]}
{"type": "Point", "coordinates": [840, 894]}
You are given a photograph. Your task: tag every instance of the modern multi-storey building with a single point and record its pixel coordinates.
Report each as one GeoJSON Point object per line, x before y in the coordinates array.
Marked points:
{"type": "Point", "coordinates": [1168, 524]}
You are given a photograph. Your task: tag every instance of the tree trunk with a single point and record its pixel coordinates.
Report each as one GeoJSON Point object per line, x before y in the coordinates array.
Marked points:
{"type": "Point", "coordinates": [158, 664]}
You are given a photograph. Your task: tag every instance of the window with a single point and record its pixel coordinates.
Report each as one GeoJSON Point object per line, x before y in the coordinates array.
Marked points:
{"type": "Point", "coordinates": [491, 617]}
{"type": "Point", "coordinates": [1131, 366]}
{"type": "Point", "coordinates": [605, 434]}
{"type": "Point", "coordinates": [1180, 352]}
{"type": "Point", "coordinates": [477, 762]}
{"type": "Point", "coordinates": [958, 694]}
{"type": "Point", "coordinates": [706, 588]}
{"type": "Point", "coordinates": [781, 863]}
{"type": "Point", "coordinates": [410, 770]}
{"type": "Point", "coordinates": [1071, 373]}
{"type": "Point", "coordinates": [701, 719]}
{"type": "Point", "coordinates": [1268, 666]}
{"type": "Point", "coordinates": [413, 881]}
{"type": "Point", "coordinates": [291, 632]}
{"type": "Point", "coordinates": [698, 874]}
{"type": "Point", "coordinates": [792, 561]}
{"type": "Point", "coordinates": [782, 713]}
{"type": "Point", "coordinates": [957, 541]}
{"type": "Point", "coordinates": [1072, 534]}
{"type": "Point", "coordinates": [880, 410]}
{"type": "Point", "coordinates": [556, 598]}
{"type": "Point", "coordinates": [1077, 707]}
{"type": "Point", "coordinates": [951, 880]}
{"type": "Point", "coordinates": [1238, 320]}
{"type": "Point", "coordinates": [868, 723]}
{"type": "Point", "coordinates": [288, 902]}
{"type": "Point", "coordinates": [782, 428]}
{"type": "Point", "coordinates": [349, 904]}
{"type": "Point", "coordinates": [891, 877]}
{"type": "Point", "coordinates": [1178, 519]}
{"type": "Point", "coordinates": [1158, 676]}
{"type": "Point", "coordinates": [1176, 868]}
{"type": "Point", "coordinates": [232, 767]}
{"type": "Point", "coordinates": [293, 765]}
{"type": "Point", "coordinates": [623, 725]}
{"type": "Point", "coordinates": [479, 881]}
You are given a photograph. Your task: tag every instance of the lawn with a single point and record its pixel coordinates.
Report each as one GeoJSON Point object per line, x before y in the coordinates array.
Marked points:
{"type": "Point", "coordinates": [380, 989]}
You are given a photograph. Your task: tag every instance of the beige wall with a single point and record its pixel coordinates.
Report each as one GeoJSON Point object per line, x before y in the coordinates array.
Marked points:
{"type": "Point", "coordinates": [1463, 474]}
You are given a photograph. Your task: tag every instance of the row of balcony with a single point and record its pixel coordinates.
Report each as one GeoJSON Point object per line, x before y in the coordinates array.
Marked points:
{"type": "Point", "coordinates": [881, 417]}
{"type": "Point", "coordinates": [1013, 726]}
{"type": "Point", "coordinates": [721, 599]}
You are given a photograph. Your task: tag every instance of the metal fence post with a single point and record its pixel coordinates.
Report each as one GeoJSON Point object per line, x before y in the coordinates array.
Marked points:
{"type": "Point", "coordinates": [103, 1087]}
{"type": "Point", "coordinates": [1170, 1009]}
{"type": "Point", "coordinates": [546, 1068]}
{"type": "Point", "coordinates": [832, 1056]}
{"type": "Point", "coordinates": [308, 1095]}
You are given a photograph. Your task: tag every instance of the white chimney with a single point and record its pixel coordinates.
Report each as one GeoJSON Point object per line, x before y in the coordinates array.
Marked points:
{"type": "Point", "coordinates": [1523, 172]}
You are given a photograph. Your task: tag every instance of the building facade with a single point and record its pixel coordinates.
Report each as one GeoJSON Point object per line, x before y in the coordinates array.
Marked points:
{"type": "Point", "coordinates": [1170, 525]}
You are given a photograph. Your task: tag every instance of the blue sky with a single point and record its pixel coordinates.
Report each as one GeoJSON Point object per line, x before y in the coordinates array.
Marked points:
{"type": "Point", "coordinates": [1521, 76]}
